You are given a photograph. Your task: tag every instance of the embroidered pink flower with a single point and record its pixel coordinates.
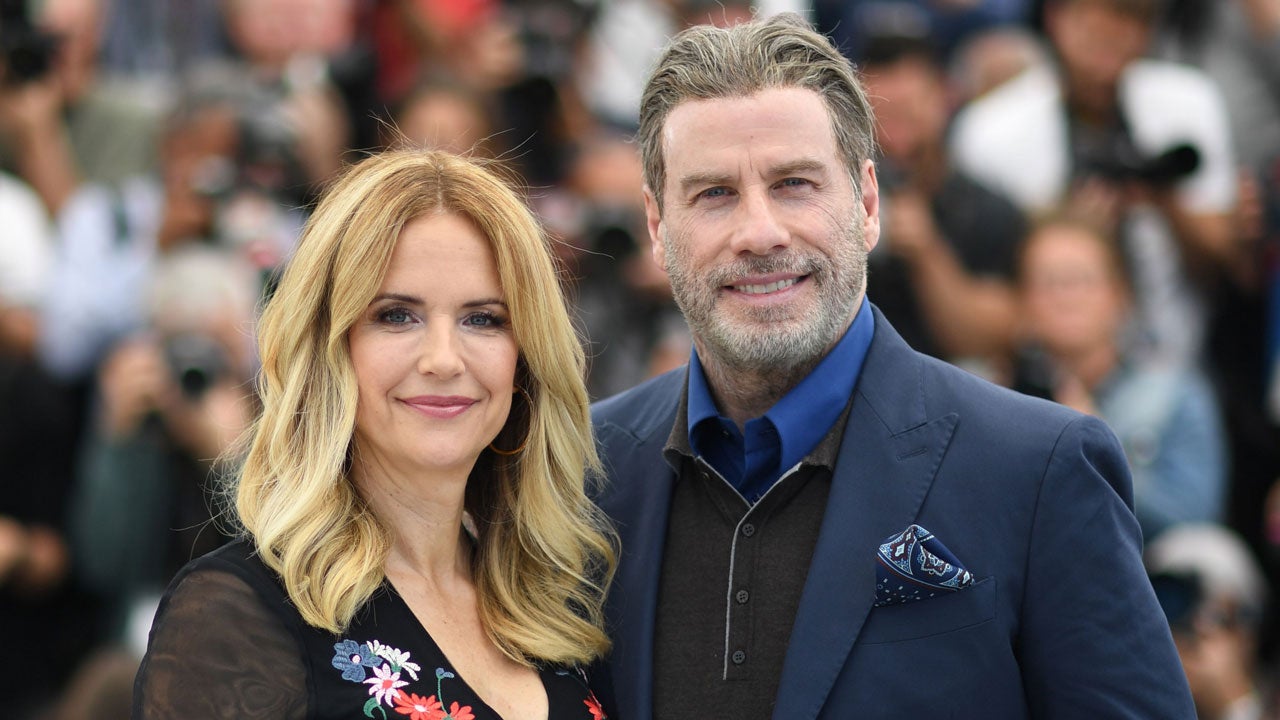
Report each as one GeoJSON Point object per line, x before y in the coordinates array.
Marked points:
{"type": "Point", "coordinates": [418, 707]}
{"type": "Point", "coordinates": [459, 713]}
{"type": "Point", "coordinates": [385, 685]}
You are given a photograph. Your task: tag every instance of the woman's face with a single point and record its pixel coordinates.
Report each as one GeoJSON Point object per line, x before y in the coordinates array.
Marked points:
{"type": "Point", "coordinates": [1072, 299]}
{"type": "Point", "coordinates": [434, 353]}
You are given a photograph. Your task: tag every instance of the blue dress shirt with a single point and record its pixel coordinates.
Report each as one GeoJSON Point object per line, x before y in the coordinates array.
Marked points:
{"type": "Point", "coordinates": [752, 461]}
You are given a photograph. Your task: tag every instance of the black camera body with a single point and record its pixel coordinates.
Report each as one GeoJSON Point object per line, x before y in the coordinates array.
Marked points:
{"type": "Point", "coordinates": [1118, 159]}
{"type": "Point", "coordinates": [1181, 596]}
{"type": "Point", "coordinates": [26, 51]}
{"type": "Point", "coordinates": [197, 361]}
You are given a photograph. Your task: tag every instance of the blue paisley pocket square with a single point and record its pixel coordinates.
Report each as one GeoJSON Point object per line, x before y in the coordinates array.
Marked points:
{"type": "Point", "coordinates": [915, 565]}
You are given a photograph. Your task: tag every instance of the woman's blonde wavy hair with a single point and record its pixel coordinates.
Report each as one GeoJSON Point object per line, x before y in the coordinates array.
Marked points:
{"type": "Point", "coordinates": [544, 552]}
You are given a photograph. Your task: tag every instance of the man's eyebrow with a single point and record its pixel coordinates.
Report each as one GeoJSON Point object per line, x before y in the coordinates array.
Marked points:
{"type": "Point", "coordinates": [702, 179]}
{"type": "Point", "coordinates": [803, 165]}
{"type": "Point", "coordinates": [712, 179]}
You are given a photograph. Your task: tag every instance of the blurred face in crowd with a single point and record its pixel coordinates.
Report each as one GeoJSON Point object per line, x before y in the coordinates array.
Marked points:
{"type": "Point", "coordinates": [762, 233]}
{"type": "Point", "coordinates": [269, 32]}
{"type": "Point", "coordinates": [444, 120]}
{"type": "Point", "coordinates": [77, 24]}
{"type": "Point", "coordinates": [434, 354]}
{"type": "Point", "coordinates": [910, 104]}
{"type": "Point", "coordinates": [992, 58]}
{"type": "Point", "coordinates": [1095, 42]}
{"type": "Point", "coordinates": [1073, 295]}
{"type": "Point", "coordinates": [195, 157]}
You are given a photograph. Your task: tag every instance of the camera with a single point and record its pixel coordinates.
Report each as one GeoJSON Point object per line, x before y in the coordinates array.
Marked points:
{"type": "Point", "coordinates": [267, 157]}
{"type": "Point", "coordinates": [1181, 596]}
{"type": "Point", "coordinates": [1118, 159]}
{"type": "Point", "coordinates": [197, 361]}
{"type": "Point", "coordinates": [611, 230]}
{"type": "Point", "coordinates": [26, 52]}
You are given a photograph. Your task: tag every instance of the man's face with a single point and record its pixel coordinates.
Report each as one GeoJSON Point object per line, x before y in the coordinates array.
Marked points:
{"type": "Point", "coordinates": [762, 233]}
{"type": "Point", "coordinates": [1096, 43]}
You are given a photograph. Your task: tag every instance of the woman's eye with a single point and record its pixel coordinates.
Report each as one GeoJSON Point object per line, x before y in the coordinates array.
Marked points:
{"type": "Point", "coordinates": [395, 316]}
{"type": "Point", "coordinates": [484, 320]}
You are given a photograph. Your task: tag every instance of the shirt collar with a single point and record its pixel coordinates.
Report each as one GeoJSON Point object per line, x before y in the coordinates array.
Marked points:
{"type": "Point", "coordinates": [803, 416]}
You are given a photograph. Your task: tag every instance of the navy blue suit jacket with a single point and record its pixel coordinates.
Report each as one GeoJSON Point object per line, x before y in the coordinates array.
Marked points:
{"type": "Point", "coordinates": [1034, 499]}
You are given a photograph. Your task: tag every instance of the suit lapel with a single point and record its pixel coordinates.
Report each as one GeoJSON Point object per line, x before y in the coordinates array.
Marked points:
{"type": "Point", "coordinates": [888, 458]}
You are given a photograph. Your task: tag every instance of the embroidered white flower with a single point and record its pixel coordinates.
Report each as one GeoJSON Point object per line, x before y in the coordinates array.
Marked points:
{"type": "Point", "coordinates": [385, 685]}
{"type": "Point", "coordinates": [399, 659]}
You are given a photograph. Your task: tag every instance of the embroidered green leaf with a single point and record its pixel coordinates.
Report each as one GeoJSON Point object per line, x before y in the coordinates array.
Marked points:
{"type": "Point", "coordinates": [369, 708]}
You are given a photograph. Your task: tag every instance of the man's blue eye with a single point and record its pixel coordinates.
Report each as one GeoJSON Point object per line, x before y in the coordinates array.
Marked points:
{"type": "Point", "coordinates": [715, 192]}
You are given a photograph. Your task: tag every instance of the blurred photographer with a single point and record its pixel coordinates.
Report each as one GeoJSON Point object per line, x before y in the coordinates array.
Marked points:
{"type": "Point", "coordinates": [170, 399]}
{"type": "Point", "coordinates": [944, 268]}
{"type": "Point", "coordinates": [1140, 143]}
{"type": "Point", "coordinates": [224, 181]}
{"type": "Point", "coordinates": [621, 297]}
{"type": "Point", "coordinates": [38, 422]}
{"type": "Point", "coordinates": [1213, 594]}
{"type": "Point", "coordinates": [62, 122]}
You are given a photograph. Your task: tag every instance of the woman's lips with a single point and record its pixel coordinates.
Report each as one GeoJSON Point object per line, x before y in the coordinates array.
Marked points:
{"type": "Point", "coordinates": [440, 406]}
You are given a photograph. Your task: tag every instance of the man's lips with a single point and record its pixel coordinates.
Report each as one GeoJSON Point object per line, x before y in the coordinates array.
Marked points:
{"type": "Point", "coordinates": [440, 406]}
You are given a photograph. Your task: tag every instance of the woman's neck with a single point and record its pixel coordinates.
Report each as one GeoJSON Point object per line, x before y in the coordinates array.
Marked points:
{"type": "Point", "coordinates": [424, 516]}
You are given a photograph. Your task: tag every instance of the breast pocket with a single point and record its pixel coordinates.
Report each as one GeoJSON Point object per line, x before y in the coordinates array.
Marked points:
{"type": "Point", "coordinates": [934, 616]}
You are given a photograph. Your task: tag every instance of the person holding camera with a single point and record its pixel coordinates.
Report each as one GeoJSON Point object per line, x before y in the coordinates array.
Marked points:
{"type": "Point", "coordinates": [1143, 143]}
{"type": "Point", "coordinates": [171, 398]}
{"type": "Point", "coordinates": [62, 122]}
{"type": "Point", "coordinates": [1076, 298]}
{"type": "Point", "coordinates": [944, 271]}
{"type": "Point", "coordinates": [1214, 595]}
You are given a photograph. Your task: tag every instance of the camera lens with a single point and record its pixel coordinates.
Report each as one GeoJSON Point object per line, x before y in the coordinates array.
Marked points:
{"type": "Point", "coordinates": [197, 361]}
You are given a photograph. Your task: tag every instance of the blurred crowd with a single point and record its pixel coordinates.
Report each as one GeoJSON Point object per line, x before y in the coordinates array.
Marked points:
{"type": "Point", "coordinates": [1081, 200]}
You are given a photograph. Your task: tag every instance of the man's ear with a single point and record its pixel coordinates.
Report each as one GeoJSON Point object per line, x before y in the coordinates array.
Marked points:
{"type": "Point", "coordinates": [653, 219]}
{"type": "Point", "coordinates": [870, 205]}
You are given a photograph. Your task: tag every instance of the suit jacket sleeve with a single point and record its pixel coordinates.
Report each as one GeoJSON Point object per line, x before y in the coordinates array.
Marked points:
{"type": "Point", "coordinates": [1094, 641]}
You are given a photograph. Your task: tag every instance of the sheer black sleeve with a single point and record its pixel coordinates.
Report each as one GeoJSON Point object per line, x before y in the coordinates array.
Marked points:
{"type": "Point", "coordinates": [218, 651]}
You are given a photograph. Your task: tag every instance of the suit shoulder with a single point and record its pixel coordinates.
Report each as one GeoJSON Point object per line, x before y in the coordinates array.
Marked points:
{"type": "Point", "coordinates": [957, 389]}
{"type": "Point", "coordinates": [644, 407]}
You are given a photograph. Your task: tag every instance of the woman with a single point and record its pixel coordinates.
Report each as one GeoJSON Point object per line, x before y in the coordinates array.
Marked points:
{"type": "Point", "coordinates": [1076, 302]}
{"type": "Point", "coordinates": [416, 540]}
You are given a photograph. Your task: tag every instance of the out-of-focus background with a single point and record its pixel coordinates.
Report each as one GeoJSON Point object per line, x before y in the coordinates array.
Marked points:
{"type": "Point", "coordinates": [1081, 201]}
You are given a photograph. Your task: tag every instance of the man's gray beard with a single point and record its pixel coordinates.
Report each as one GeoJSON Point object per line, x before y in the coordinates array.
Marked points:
{"type": "Point", "coordinates": [775, 342]}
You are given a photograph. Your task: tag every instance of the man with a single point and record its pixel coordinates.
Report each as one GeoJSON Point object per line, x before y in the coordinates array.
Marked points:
{"type": "Point", "coordinates": [944, 269]}
{"type": "Point", "coordinates": [807, 451]}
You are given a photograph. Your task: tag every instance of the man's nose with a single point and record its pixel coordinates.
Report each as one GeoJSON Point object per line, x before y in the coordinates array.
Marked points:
{"type": "Point", "coordinates": [441, 351]}
{"type": "Point", "coordinates": [758, 228]}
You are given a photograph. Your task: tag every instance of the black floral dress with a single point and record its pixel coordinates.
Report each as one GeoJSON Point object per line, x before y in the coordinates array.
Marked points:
{"type": "Point", "coordinates": [226, 642]}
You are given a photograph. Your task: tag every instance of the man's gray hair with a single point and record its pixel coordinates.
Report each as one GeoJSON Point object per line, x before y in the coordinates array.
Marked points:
{"type": "Point", "coordinates": [782, 51]}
